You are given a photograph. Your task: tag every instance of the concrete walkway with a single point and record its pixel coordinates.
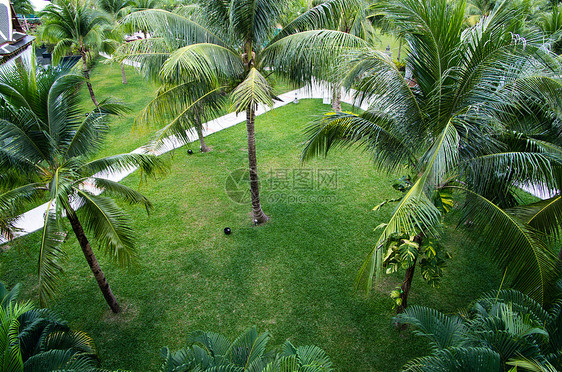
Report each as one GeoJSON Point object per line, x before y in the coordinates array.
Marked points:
{"type": "Point", "coordinates": [33, 220]}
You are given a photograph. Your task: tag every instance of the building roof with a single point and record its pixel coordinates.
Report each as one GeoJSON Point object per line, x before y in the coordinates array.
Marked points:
{"type": "Point", "coordinates": [13, 39]}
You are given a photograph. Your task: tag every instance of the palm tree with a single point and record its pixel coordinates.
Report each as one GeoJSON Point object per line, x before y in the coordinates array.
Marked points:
{"type": "Point", "coordinates": [116, 10]}
{"type": "Point", "coordinates": [350, 17]}
{"type": "Point", "coordinates": [37, 340]}
{"type": "Point", "coordinates": [23, 7]}
{"type": "Point", "coordinates": [550, 23]}
{"type": "Point", "coordinates": [501, 330]}
{"type": "Point", "coordinates": [50, 141]}
{"type": "Point", "coordinates": [207, 351]}
{"type": "Point", "coordinates": [73, 25]}
{"type": "Point", "coordinates": [479, 119]}
{"type": "Point", "coordinates": [231, 47]}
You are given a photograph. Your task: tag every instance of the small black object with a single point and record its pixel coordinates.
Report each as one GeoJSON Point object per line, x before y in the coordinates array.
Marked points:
{"type": "Point", "coordinates": [190, 152]}
{"type": "Point", "coordinates": [227, 230]}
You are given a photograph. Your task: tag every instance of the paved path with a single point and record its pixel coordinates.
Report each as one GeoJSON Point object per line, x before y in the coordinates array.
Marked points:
{"type": "Point", "coordinates": [33, 220]}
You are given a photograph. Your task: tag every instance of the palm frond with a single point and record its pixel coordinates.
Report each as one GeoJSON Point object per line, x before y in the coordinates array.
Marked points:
{"type": "Point", "coordinates": [110, 226]}
{"type": "Point", "coordinates": [50, 254]}
{"type": "Point", "coordinates": [254, 20]}
{"type": "Point", "coordinates": [414, 214]}
{"type": "Point", "coordinates": [173, 27]}
{"type": "Point", "coordinates": [372, 131]}
{"type": "Point", "coordinates": [441, 330]}
{"type": "Point", "coordinates": [126, 193]}
{"type": "Point", "coordinates": [148, 164]}
{"type": "Point", "coordinates": [326, 15]}
{"type": "Point", "coordinates": [205, 61]}
{"type": "Point", "coordinates": [309, 54]}
{"type": "Point", "coordinates": [248, 349]}
{"type": "Point", "coordinates": [545, 215]}
{"type": "Point", "coordinates": [520, 250]}
{"type": "Point", "coordinates": [254, 90]}
{"type": "Point", "coordinates": [476, 359]}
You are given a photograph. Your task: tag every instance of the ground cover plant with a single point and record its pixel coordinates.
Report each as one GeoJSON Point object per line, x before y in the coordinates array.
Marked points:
{"type": "Point", "coordinates": [292, 277]}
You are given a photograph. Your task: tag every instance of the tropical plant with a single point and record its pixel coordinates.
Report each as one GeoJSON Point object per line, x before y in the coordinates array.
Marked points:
{"type": "Point", "coordinates": [73, 25]}
{"type": "Point", "coordinates": [37, 340]}
{"type": "Point", "coordinates": [23, 6]}
{"type": "Point", "coordinates": [50, 141]}
{"type": "Point", "coordinates": [207, 351]}
{"type": "Point", "coordinates": [115, 11]}
{"type": "Point", "coordinates": [229, 47]}
{"type": "Point", "coordinates": [550, 23]}
{"type": "Point", "coordinates": [502, 329]}
{"type": "Point", "coordinates": [479, 119]}
{"type": "Point", "coordinates": [350, 17]}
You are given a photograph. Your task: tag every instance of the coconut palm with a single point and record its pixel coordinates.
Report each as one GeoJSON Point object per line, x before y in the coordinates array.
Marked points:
{"type": "Point", "coordinates": [50, 141]}
{"type": "Point", "coordinates": [207, 351]}
{"type": "Point", "coordinates": [231, 47]}
{"type": "Point", "coordinates": [479, 118]}
{"type": "Point", "coordinates": [37, 340]}
{"type": "Point", "coordinates": [115, 10]}
{"type": "Point", "coordinates": [351, 17]}
{"type": "Point", "coordinates": [502, 329]}
{"type": "Point", "coordinates": [73, 25]}
{"type": "Point", "coordinates": [23, 7]}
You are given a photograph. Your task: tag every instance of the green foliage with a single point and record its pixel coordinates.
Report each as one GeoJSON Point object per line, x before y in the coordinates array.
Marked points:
{"type": "Point", "coordinates": [402, 253]}
{"type": "Point", "coordinates": [51, 142]}
{"type": "Point", "coordinates": [468, 123]}
{"type": "Point", "coordinates": [73, 26]}
{"type": "Point", "coordinates": [208, 351]}
{"type": "Point", "coordinates": [37, 340]}
{"type": "Point", "coordinates": [502, 328]}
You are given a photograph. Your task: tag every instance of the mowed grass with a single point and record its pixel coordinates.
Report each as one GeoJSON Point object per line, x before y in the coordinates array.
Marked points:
{"type": "Point", "coordinates": [292, 277]}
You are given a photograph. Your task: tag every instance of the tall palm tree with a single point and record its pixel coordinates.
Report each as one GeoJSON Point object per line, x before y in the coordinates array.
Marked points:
{"type": "Point", "coordinates": [479, 118]}
{"type": "Point", "coordinates": [73, 25]}
{"type": "Point", "coordinates": [116, 10]}
{"type": "Point", "coordinates": [207, 351]}
{"type": "Point", "coordinates": [50, 141]}
{"type": "Point", "coordinates": [501, 330]}
{"type": "Point", "coordinates": [231, 47]}
{"type": "Point", "coordinates": [350, 17]}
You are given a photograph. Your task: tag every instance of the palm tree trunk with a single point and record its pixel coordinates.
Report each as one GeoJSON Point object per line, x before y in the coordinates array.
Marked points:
{"type": "Point", "coordinates": [399, 49]}
{"type": "Point", "coordinates": [199, 129]}
{"type": "Point", "coordinates": [92, 261]}
{"type": "Point", "coordinates": [259, 216]}
{"type": "Point", "coordinates": [336, 97]}
{"type": "Point", "coordinates": [123, 76]}
{"type": "Point", "coordinates": [407, 284]}
{"type": "Point", "coordinates": [86, 73]}
{"type": "Point", "coordinates": [202, 144]}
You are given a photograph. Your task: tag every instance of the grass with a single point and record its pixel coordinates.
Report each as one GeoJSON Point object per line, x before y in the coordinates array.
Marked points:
{"type": "Point", "coordinates": [292, 277]}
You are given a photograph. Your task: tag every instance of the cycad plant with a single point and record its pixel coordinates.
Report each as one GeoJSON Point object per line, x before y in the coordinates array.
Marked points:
{"type": "Point", "coordinates": [51, 141]}
{"type": "Point", "coordinates": [207, 351]}
{"type": "Point", "coordinates": [502, 330]}
{"type": "Point", "coordinates": [37, 340]}
{"type": "Point", "coordinates": [230, 47]}
{"type": "Point", "coordinates": [478, 120]}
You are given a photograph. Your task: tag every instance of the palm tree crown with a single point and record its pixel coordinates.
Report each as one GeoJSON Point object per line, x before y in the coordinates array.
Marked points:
{"type": "Point", "coordinates": [73, 25]}
{"type": "Point", "coordinates": [229, 46]}
{"type": "Point", "coordinates": [479, 117]}
{"type": "Point", "coordinates": [50, 141]}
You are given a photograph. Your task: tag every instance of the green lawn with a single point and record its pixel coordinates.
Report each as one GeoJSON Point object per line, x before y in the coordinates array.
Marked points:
{"type": "Point", "coordinates": [292, 277]}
